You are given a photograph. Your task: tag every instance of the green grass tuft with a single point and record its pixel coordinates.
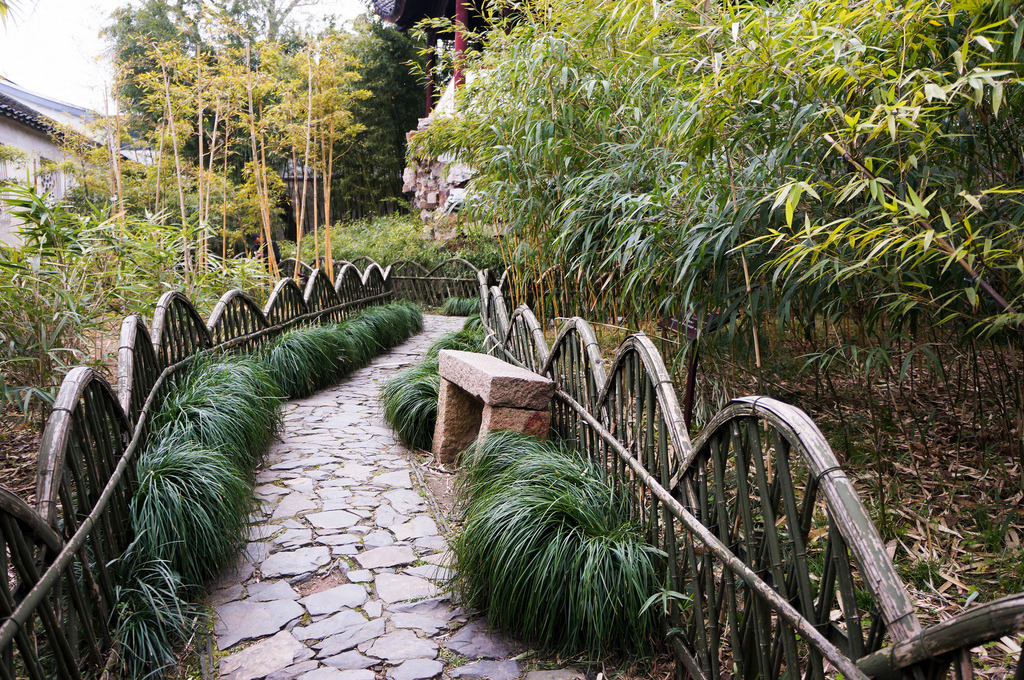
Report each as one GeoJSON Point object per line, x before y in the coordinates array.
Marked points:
{"type": "Point", "coordinates": [410, 403]}
{"type": "Point", "coordinates": [458, 306]}
{"type": "Point", "coordinates": [151, 615]}
{"type": "Point", "coordinates": [550, 552]}
{"type": "Point", "coordinates": [191, 508]}
{"type": "Point", "coordinates": [409, 399]}
{"type": "Point", "coordinates": [305, 360]}
{"type": "Point", "coordinates": [227, 404]}
{"type": "Point", "coordinates": [474, 323]}
{"type": "Point", "coordinates": [468, 339]}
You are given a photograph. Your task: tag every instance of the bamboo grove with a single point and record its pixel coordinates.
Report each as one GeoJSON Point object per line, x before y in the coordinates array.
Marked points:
{"type": "Point", "coordinates": [835, 186]}
{"type": "Point", "coordinates": [222, 117]}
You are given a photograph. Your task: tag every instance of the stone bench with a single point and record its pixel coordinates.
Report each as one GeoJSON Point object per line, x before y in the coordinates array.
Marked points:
{"type": "Point", "coordinates": [480, 393]}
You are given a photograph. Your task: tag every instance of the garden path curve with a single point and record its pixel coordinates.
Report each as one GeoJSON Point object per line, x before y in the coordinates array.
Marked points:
{"type": "Point", "coordinates": [339, 581]}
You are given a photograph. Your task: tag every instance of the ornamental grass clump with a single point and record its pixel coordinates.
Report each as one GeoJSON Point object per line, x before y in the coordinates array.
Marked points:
{"type": "Point", "coordinates": [305, 360]}
{"type": "Point", "coordinates": [390, 324]}
{"type": "Point", "coordinates": [459, 306]}
{"type": "Point", "coordinates": [193, 495]}
{"type": "Point", "coordinates": [153, 615]}
{"type": "Point", "coordinates": [410, 403]}
{"type": "Point", "coordinates": [409, 398]}
{"type": "Point", "coordinates": [227, 404]}
{"type": "Point", "coordinates": [191, 507]}
{"type": "Point", "coordinates": [470, 338]}
{"type": "Point", "coordinates": [551, 552]}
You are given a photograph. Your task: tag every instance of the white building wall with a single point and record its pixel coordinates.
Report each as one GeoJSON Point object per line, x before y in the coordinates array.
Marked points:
{"type": "Point", "coordinates": [38, 148]}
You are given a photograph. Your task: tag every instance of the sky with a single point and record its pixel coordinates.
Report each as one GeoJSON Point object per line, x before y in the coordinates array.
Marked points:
{"type": "Point", "coordinates": [53, 47]}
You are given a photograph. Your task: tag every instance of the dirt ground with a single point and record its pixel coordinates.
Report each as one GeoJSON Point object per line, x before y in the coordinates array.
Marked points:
{"type": "Point", "coordinates": [19, 451]}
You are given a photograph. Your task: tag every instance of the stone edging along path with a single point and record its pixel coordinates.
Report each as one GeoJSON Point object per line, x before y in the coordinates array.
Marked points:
{"type": "Point", "coordinates": [339, 579]}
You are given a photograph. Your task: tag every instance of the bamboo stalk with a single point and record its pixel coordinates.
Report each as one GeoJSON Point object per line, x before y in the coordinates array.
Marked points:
{"type": "Point", "coordinates": [329, 167]}
{"type": "Point", "coordinates": [117, 157]}
{"type": "Point", "coordinates": [301, 224]}
{"type": "Point", "coordinates": [199, 133]}
{"type": "Point", "coordinates": [256, 159]}
{"type": "Point", "coordinates": [224, 201]}
{"type": "Point", "coordinates": [159, 169]}
{"type": "Point", "coordinates": [110, 150]}
{"type": "Point", "coordinates": [177, 159]}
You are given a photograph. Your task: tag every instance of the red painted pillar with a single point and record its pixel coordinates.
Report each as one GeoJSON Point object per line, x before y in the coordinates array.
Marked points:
{"type": "Point", "coordinates": [461, 22]}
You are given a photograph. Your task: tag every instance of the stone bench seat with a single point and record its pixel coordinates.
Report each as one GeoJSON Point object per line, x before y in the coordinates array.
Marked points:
{"type": "Point", "coordinates": [479, 394]}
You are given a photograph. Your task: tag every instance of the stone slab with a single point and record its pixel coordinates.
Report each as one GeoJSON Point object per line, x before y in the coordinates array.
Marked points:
{"type": "Point", "coordinates": [399, 478]}
{"type": "Point", "coordinates": [428, 625]}
{"type": "Point", "coordinates": [399, 587]}
{"type": "Point", "coordinates": [476, 641]}
{"type": "Point", "coordinates": [247, 620]}
{"type": "Point", "coordinates": [419, 526]}
{"type": "Point", "coordinates": [295, 562]}
{"type": "Point", "coordinates": [263, 658]}
{"type": "Point", "coordinates": [416, 669]}
{"type": "Point", "coordinates": [333, 519]}
{"type": "Point", "coordinates": [264, 591]}
{"type": "Point", "coordinates": [343, 620]}
{"type": "Point", "coordinates": [388, 556]}
{"type": "Point", "coordinates": [335, 674]}
{"type": "Point", "coordinates": [294, 671]}
{"type": "Point", "coordinates": [405, 501]}
{"type": "Point", "coordinates": [494, 381]}
{"type": "Point", "coordinates": [348, 639]}
{"type": "Point", "coordinates": [487, 670]}
{"type": "Point", "coordinates": [351, 660]}
{"type": "Point", "coordinates": [401, 646]}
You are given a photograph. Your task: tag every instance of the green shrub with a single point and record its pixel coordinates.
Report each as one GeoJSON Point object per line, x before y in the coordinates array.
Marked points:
{"type": "Point", "coordinates": [225, 404]}
{"type": "Point", "coordinates": [150, 615]}
{"type": "Point", "coordinates": [482, 250]}
{"type": "Point", "coordinates": [551, 552]}
{"type": "Point", "coordinates": [385, 239]}
{"type": "Point", "coordinates": [307, 359]}
{"type": "Point", "coordinates": [457, 306]}
{"type": "Point", "coordinates": [191, 508]}
{"type": "Point", "coordinates": [409, 399]}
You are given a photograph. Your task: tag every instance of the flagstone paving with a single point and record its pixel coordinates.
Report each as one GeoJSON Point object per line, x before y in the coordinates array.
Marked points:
{"type": "Point", "coordinates": [343, 577]}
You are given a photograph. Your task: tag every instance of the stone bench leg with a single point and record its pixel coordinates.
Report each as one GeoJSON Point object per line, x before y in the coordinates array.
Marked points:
{"type": "Point", "coordinates": [458, 422]}
{"type": "Point", "coordinates": [480, 394]}
{"type": "Point", "coordinates": [523, 420]}
{"type": "Point", "coordinates": [462, 419]}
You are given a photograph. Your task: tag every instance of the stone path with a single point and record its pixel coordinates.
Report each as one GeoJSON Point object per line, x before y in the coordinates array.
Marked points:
{"type": "Point", "coordinates": [340, 579]}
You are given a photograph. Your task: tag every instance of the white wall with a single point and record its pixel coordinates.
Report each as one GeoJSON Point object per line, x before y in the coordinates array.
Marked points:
{"type": "Point", "coordinates": [36, 146]}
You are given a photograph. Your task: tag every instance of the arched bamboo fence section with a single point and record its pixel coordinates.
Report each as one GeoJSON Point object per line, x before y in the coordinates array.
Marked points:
{"type": "Point", "coordinates": [780, 571]}
{"type": "Point", "coordinates": [777, 568]}
{"type": "Point", "coordinates": [57, 601]}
